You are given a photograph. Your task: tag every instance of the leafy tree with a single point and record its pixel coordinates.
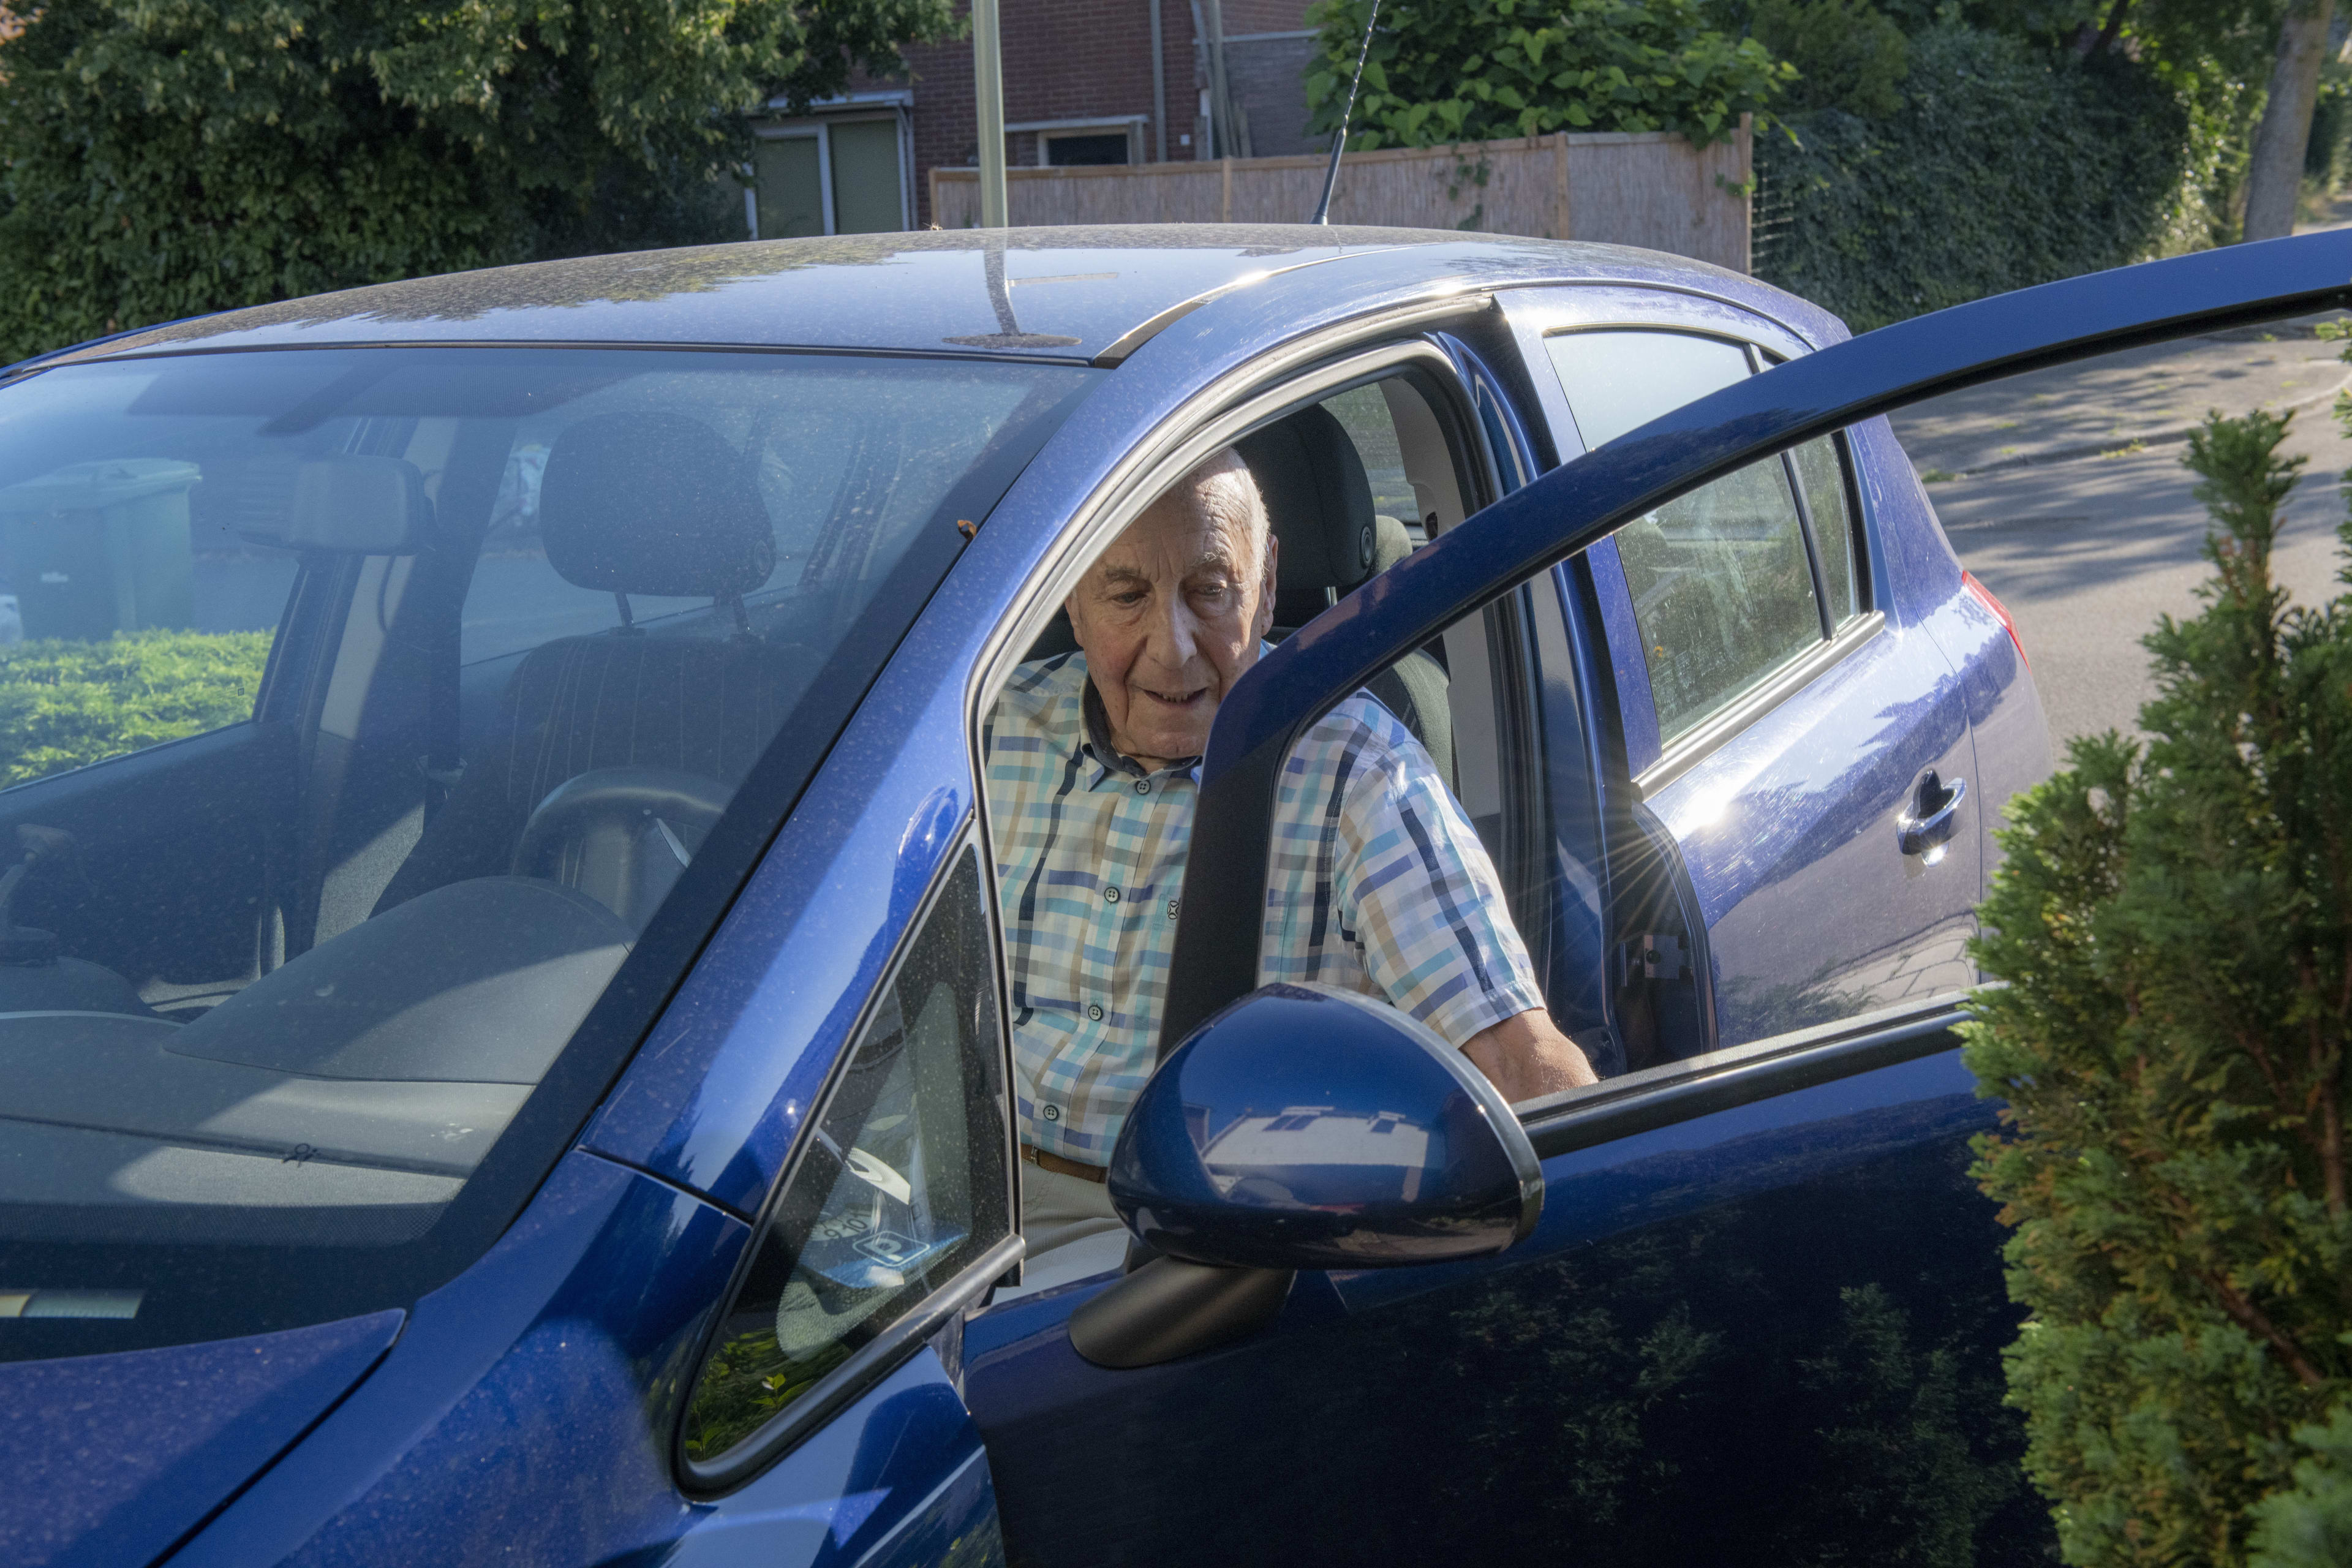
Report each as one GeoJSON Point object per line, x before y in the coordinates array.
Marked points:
{"type": "Point", "coordinates": [1848, 53]}
{"type": "Point", "coordinates": [168, 157]}
{"type": "Point", "coordinates": [2309, 1525]}
{"type": "Point", "coordinates": [1445, 71]}
{"type": "Point", "coordinates": [2175, 921]}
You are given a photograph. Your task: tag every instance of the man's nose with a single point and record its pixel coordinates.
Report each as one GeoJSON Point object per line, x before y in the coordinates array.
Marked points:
{"type": "Point", "coordinates": [1175, 633]}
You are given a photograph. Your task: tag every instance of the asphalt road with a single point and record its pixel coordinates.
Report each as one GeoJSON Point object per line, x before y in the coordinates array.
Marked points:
{"type": "Point", "coordinates": [2064, 493]}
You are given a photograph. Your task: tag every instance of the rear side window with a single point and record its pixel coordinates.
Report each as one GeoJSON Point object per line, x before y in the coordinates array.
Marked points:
{"type": "Point", "coordinates": [902, 1184]}
{"type": "Point", "coordinates": [1729, 582]}
{"type": "Point", "coordinates": [1820, 483]}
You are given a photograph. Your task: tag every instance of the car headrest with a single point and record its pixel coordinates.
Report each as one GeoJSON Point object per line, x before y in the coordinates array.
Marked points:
{"type": "Point", "coordinates": [1391, 542]}
{"type": "Point", "coordinates": [1320, 505]}
{"type": "Point", "coordinates": [654, 503]}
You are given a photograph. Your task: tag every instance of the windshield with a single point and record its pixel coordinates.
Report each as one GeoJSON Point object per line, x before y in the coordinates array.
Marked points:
{"type": "Point", "coordinates": [363, 714]}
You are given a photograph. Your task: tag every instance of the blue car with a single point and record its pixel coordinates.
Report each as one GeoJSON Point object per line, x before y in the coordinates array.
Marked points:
{"type": "Point", "coordinates": [504, 1036]}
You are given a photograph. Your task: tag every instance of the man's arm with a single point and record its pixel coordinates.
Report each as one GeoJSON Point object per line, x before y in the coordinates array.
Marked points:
{"type": "Point", "coordinates": [1526, 1058]}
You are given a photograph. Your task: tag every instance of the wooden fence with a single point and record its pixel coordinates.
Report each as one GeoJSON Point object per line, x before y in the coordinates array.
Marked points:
{"type": "Point", "coordinates": [1652, 189]}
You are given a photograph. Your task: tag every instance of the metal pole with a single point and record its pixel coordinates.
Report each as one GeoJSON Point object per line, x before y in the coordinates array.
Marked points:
{"type": "Point", "coordinates": [988, 97]}
{"type": "Point", "coordinates": [1205, 130]}
{"type": "Point", "coordinates": [1158, 87]}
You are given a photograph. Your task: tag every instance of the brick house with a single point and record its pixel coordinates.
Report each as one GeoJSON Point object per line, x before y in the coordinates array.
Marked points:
{"type": "Point", "coordinates": [1084, 83]}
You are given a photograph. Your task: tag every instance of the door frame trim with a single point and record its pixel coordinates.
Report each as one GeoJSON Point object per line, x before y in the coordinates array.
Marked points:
{"type": "Point", "coordinates": [1741, 1075]}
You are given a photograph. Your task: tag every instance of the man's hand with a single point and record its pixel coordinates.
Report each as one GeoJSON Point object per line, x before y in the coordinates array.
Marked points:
{"type": "Point", "coordinates": [1526, 1058]}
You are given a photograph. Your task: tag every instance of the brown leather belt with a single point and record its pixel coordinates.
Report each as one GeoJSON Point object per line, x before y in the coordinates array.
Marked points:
{"type": "Point", "coordinates": [1060, 1166]}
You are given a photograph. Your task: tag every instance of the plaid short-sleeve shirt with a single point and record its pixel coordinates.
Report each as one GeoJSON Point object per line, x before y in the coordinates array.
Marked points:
{"type": "Point", "coordinates": [1378, 883]}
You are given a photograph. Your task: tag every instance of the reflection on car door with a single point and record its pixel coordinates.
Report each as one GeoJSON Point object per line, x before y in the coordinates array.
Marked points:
{"type": "Point", "coordinates": [1788, 711]}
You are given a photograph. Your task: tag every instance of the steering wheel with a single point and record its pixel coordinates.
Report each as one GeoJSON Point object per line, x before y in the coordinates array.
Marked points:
{"type": "Point", "coordinates": [621, 835]}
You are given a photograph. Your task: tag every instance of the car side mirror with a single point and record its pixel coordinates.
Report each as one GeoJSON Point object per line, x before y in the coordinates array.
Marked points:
{"type": "Point", "coordinates": [1302, 1127]}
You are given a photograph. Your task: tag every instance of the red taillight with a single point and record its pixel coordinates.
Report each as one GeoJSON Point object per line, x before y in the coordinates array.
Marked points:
{"type": "Point", "coordinates": [2000, 613]}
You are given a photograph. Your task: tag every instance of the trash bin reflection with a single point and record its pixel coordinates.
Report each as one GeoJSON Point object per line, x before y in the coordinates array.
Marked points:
{"type": "Point", "coordinates": [98, 548]}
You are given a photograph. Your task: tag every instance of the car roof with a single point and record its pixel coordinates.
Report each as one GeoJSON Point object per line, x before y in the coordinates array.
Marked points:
{"type": "Point", "coordinates": [1063, 293]}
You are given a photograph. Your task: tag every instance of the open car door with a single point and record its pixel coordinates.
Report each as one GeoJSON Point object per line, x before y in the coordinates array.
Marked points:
{"type": "Point", "coordinates": [1759, 1317]}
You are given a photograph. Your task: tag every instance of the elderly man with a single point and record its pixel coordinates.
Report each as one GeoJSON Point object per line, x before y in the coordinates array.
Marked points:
{"type": "Point", "coordinates": [1091, 783]}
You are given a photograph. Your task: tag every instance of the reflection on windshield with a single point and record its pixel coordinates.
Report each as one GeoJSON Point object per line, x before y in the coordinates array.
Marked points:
{"type": "Point", "coordinates": [364, 709]}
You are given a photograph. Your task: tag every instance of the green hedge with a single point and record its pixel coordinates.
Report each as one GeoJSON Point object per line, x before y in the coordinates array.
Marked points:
{"type": "Point", "coordinates": [1445, 71]}
{"type": "Point", "coordinates": [2002, 168]}
{"type": "Point", "coordinates": [163, 159]}
{"type": "Point", "coordinates": [68, 704]}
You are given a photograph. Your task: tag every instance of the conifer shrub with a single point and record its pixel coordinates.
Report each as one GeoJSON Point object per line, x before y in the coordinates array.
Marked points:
{"type": "Point", "coordinates": [2174, 922]}
{"type": "Point", "coordinates": [67, 704]}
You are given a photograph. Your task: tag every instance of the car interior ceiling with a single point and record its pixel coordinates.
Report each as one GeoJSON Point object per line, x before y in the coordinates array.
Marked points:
{"type": "Point", "coordinates": [483, 905]}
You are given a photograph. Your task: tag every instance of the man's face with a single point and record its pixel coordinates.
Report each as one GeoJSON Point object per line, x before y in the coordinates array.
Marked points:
{"type": "Point", "coordinates": [1170, 615]}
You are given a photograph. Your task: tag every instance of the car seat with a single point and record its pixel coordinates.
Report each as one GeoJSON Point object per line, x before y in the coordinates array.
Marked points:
{"type": "Point", "coordinates": [1320, 505]}
{"type": "Point", "coordinates": [646, 503]}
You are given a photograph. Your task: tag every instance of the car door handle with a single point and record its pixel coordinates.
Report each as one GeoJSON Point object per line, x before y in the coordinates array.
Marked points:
{"type": "Point", "coordinates": [1928, 822]}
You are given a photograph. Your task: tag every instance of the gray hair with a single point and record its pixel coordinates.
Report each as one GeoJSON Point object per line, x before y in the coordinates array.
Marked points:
{"type": "Point", "coordinates": [1228, 491]}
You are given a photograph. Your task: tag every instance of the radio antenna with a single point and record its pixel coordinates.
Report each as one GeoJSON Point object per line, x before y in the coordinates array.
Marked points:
{"type": "Point", "coordinates": [1339, 138]}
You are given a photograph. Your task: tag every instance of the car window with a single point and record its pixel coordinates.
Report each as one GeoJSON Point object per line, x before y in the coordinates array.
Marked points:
{"type": "Point", "coordinates": [135, 607]}
{"type": "Point", "coordinates": [1722, 591]}
{"type": "Point", "coordinates": [541, 617]}
{"type": "Point", "coordinates": [1722, 581]}
{"type": "Point", "coordinates": [1365, 414]}
{"type": "Point", "coordinates": [805, 443]}
{"type": "Point", "coordinates": [901, 1183]}
{"type": "Point", "coordinates": [1821, 484]}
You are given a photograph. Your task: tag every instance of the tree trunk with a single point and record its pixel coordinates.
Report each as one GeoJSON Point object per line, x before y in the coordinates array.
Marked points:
{"type": "Point", "coordinates": [2089, 41]}
{"type": "Point", "coordinates": [2276, 178]}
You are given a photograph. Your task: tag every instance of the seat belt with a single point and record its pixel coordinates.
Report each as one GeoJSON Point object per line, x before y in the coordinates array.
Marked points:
{"type": "Point", "coordinates": [443, 763]}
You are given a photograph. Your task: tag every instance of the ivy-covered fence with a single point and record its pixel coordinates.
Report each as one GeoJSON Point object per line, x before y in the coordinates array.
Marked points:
{"type": "Point", "coordinates": [1905, 163]}
{"type": "Point", "coordinates": [1995, 171]}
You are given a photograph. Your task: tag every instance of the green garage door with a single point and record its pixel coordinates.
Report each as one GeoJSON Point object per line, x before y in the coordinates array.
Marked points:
{"type": "Point", "coordinates": [865, 177]}
{"type": "Point", "coordinates": [792, 201]}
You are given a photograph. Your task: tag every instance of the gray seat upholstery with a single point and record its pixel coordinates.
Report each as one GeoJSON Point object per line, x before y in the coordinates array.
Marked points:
{"type": "Point", "coordinates": [653, 504]}
{"type": "Point", "coordinates": [1416, 688]}
{"type": "Point", "coordinates": [1320, 505]}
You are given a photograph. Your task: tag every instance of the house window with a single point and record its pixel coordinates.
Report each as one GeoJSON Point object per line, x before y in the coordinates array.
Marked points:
{"type": "Point", "coordinates": [834, 174]}
{"type": "Point", "coordinates": [1081, 143]}
{"type": "Point", "coordinates": [1092, 147]}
